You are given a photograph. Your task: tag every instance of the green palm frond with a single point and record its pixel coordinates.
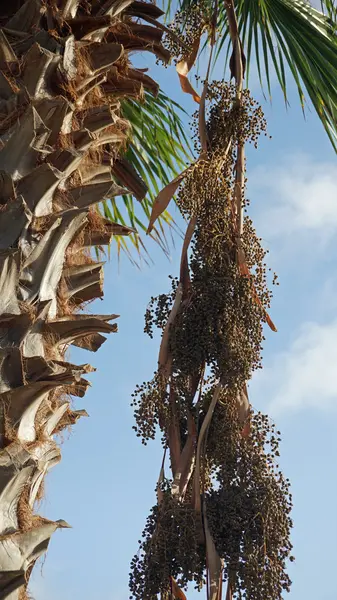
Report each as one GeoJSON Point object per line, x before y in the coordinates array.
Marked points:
{"type": "Point", "coordinates": [330, 9]}
{"type": "Point", "coordinates": [158, 150]}
{"type": "Point", "coordinates": [280, 33]}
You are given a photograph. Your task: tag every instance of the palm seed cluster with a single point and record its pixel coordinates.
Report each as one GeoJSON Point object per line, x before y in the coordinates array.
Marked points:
{"type": "Point", "coordinates": [159, 308]}
{"type": "Point", "coordinates": [220, 322]}
{"type": "Point", "coordinates": [169, 548]}
{"type": "Point", "coordinates": [186, 28]}
{"type": "Point", "coordinates": [217, 333]}
{"type": "Point", "coordinates": [151, 408]}
{"type": "Point", "coordinates": [249, 507]}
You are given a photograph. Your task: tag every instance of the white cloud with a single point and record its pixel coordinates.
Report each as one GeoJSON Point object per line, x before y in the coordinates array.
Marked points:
{"type": "Point", "coordinates": [304, 376]}
{"type": "Point", "coordinates": [296, 197]}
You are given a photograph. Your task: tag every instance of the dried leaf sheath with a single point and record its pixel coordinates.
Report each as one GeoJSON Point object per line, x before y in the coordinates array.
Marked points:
{"type": "Point", "coordinates": [63, 73]}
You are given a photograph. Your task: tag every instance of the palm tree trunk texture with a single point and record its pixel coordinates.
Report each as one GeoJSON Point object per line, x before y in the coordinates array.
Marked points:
{"type": "Point", "coordinates": [63, 70]}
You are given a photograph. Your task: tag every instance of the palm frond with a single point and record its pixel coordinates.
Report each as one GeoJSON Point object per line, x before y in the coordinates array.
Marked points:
{"type": "Point", "coordinates": [289, 32]}
{"type": "Point", "coordinates": [329, 8]}
{"type": "Point", "coordinates": [158, 150]}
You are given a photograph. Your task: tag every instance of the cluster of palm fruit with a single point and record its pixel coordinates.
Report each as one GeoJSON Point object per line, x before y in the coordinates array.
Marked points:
{"type": "Point", "coordinates": [150, 403]}
{"type": "Point", "coordinates": [169, 548]}
{"type": "Point", "coordinates": [186, 27]}
{"type": "Point", "coordinates": [158, 309]}
{"type": "Point", "coordinates": [249, 508]}
{"type": "Point", "coordinates": [220, 322]}
{"type": "Point", "coordinates": [215, 343]}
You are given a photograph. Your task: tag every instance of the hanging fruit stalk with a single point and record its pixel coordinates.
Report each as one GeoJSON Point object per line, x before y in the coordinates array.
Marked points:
{"type": "Point", "coordinates": [223, 515]}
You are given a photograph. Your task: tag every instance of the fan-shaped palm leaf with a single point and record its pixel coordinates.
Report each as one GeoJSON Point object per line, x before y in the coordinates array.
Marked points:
{"type": "Point", "coordinates": [158, 150]}
{"type": "Point", "coordinates": [294, 33]}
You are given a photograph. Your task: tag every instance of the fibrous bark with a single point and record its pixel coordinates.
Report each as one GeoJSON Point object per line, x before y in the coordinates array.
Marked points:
{"type": "Point", "coordinates": [63, 69]}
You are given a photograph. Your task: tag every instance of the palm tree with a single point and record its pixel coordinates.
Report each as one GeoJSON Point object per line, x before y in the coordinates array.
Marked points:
{"type": "Point", "coordinates": [66, 88]}
{"type": "Point", "coordinates": [224, 512]}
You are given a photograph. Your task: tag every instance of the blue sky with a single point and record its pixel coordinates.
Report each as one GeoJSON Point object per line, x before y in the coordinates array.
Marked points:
{"type": "Point", "coordinates": [104, 486]}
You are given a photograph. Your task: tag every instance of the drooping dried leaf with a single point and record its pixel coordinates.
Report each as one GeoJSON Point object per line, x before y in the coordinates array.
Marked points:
{"type": "Point", "coordinates": [244, 270]}
{"type": "Point", "coordinates": [184, 273]}
{"type": "Point", "coordinates": [187, 87]}
{"type": "Point", "coordinates": [163, 351]}
{"type": "Point", "coordinates": [244, 410]}
{"type": "Point", "coordinates": [203, 137]}
{"type": "Point", "coordinates": [174, 437]}
{"type": "Point", "coordinates": [214, 563]}
{"type": "Point", "coordinates": [176, 591]}
{"type": "Point", "coordinates": [141, 9]}
{"type": "Point", "coordinates": [163, 199]}
{"type": "Point", "coordinates": [202, 123]}
{"type": "Point", "coordinates": [183, 68]}
{"type": "Point", "coordinates": [243, 405]}
{"type": "Point", "coordinates": [128, 176]}
{"type": "Point", "coordinates": [246, 430]}
{"type": "Point", "coordinates": [203, 430]}
{"type": "Point", "coordinates": [185, 464]}
{"type": "Point", "coordinates": [161, 480]}
{"type": "Point", "coordinates": [270, 323]}
{"type": "Point", "coordinates": [233, 62]}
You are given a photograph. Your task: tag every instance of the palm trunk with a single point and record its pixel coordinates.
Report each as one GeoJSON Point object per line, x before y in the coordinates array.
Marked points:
{"type": "Point", "coordinates": [64, 68]}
